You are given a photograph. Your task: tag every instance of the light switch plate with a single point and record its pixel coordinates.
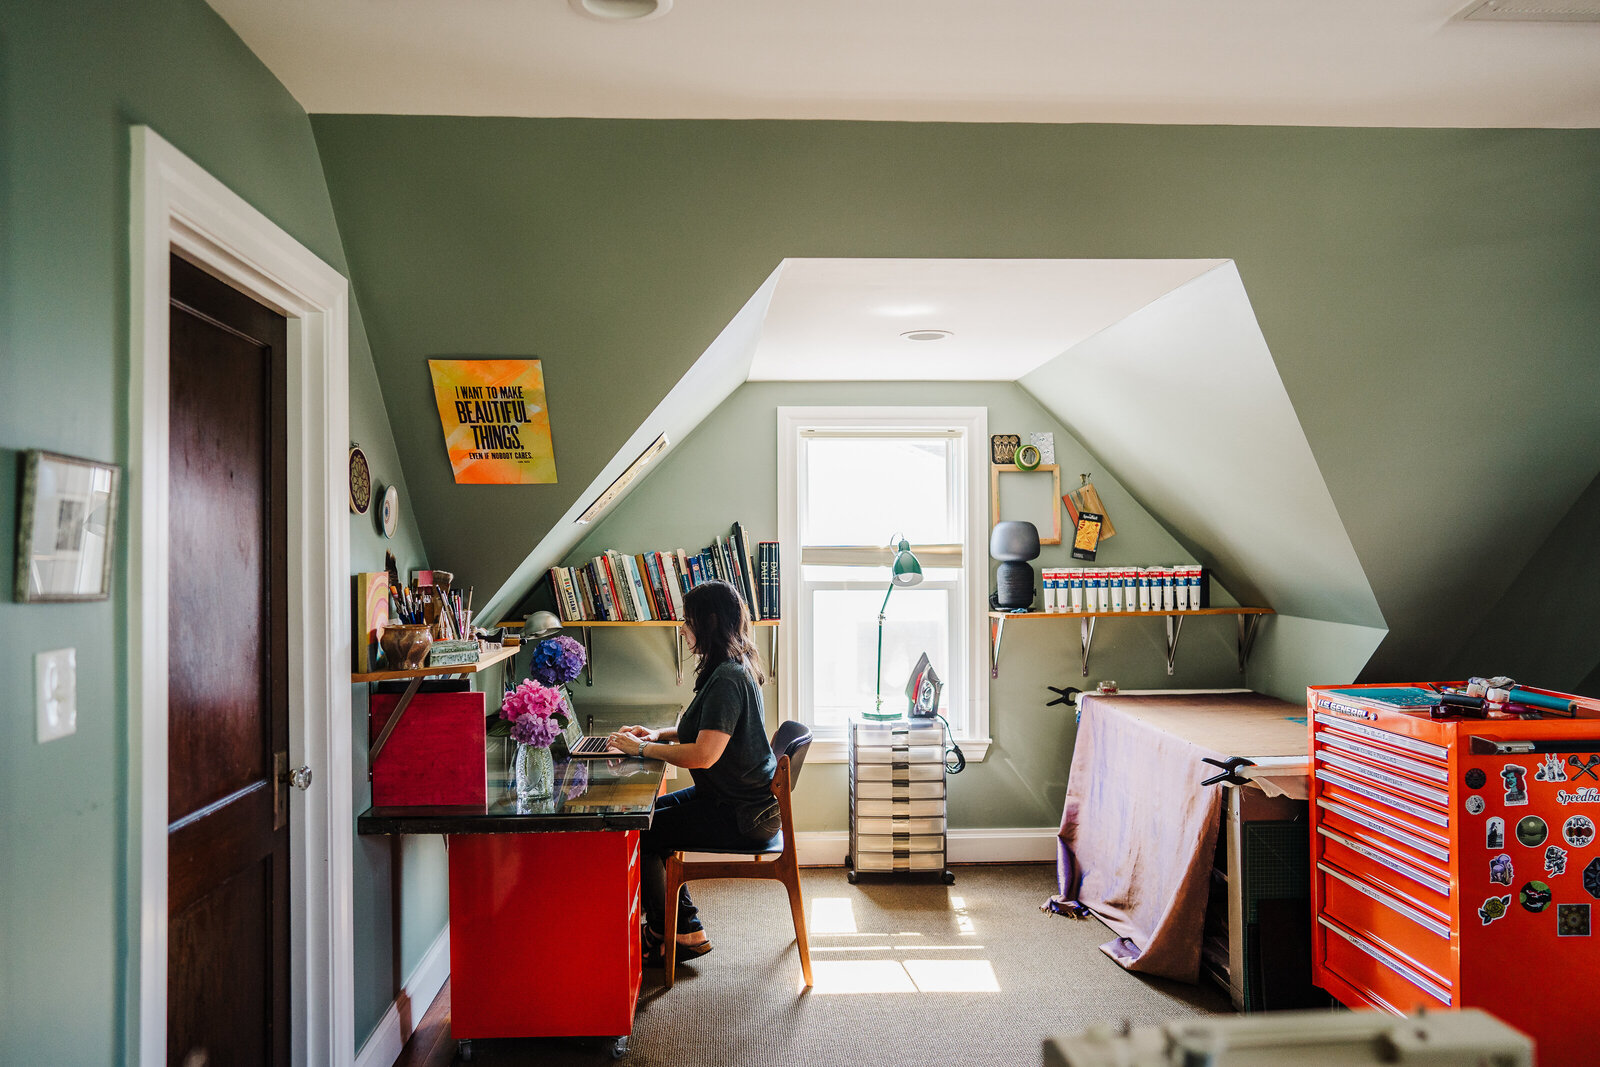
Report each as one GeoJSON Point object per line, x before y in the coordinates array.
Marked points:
{"type": "Point", "coordinates": [55, 689]}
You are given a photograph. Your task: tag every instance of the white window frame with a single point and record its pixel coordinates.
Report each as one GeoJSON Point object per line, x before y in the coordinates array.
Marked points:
{"type": "Point", "coordinates": [973, 422]}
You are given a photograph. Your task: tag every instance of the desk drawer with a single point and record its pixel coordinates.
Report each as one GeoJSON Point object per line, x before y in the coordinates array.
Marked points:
{"type": "Point", "coordinates": [1382, 973]}
{"type": "Point", "coordinates": [900, 790]}
{"type": "Point", "coordinates": [913, 755]}
{"type": "Point", "coordinates": [1416, 932]}
{"type": "Point", "coordinates": [890, 861]}
{"type": "Point", "coordinates": [901, 807]}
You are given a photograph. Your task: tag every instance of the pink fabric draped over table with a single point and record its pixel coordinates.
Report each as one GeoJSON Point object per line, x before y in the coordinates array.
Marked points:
{"type": "Point", "coordinates": [1139, 831]}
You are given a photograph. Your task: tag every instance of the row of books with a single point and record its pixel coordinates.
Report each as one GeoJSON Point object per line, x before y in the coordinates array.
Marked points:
{"type": "Point", "coordinates": [649, 586]}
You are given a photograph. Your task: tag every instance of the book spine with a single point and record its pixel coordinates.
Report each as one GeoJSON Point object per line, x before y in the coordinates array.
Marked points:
{"type": "Point", "coordinates": [569, 588]}
{"type": "Point", "coordinates": [641, 592]}
{"type": "Point", "coordinates": [608, 589]}
{"type": "Point", "coordinates": [683, 570]}
{"type": "Point", "coordinates": [662, 565]}
{"type": "Point", "coordinates": [777, 582]}
{"type": "Point", "coordinates": [747, 576]}
{"type": "Point", "coordinates": [697, 571]}
{"type": "Point", "coordinates": [652, 586]}
{"type": "Point", "coordinates": [580, 592]}
{"type": "Point", "coordinates": [560, 594]}
{"type": "Point", "coordinates": [591, 584]}
{"type": "Point", "coordinates": [621, 586]}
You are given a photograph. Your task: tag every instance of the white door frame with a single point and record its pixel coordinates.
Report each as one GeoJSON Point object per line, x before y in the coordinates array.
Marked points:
{"type": "Point", "coordinates": [177, 207]}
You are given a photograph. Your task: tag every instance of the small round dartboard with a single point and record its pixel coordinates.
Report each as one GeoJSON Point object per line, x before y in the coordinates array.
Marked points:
{"type": "Point", "coordinates": [360, 481]}
{"type": "Point", "coordinates": [390, 510]}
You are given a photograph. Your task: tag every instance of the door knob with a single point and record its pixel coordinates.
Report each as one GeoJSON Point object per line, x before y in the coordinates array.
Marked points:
{"type": "Point", "coordinates": [300, 778]}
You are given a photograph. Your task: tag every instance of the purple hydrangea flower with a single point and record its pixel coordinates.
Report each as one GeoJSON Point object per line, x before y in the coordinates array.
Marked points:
{"type": "Point", "coordinates": [534, 729]}
{"type": "Point", "coordinates": [557, 660]}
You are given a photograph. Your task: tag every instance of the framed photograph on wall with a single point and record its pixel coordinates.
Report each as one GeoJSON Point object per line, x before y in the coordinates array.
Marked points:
{"type": "Point", "coordinates": [66, 527]}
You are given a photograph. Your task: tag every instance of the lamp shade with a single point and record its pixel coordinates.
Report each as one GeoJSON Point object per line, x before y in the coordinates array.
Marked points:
{"type": "Point", "coordinates": [906, 570]}
{"type": "Point", "coordinates": [1014, 541]}
{"type": "Point", "coordinates": [541, 624]}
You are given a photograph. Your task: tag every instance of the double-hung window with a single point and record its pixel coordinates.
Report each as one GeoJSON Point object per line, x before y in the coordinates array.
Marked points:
{"type": "Point", "coordinates": [853, 481]}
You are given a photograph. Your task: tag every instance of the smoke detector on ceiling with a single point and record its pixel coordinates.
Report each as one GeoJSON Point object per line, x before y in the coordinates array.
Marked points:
{"type": "Point", "coordinates": [1531, 11]}
{"type": "Point", "coordinates": [621, 10]}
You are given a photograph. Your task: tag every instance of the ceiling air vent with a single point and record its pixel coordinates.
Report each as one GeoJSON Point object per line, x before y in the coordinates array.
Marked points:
{"type": "Point", "coordinates": [1532, 11]}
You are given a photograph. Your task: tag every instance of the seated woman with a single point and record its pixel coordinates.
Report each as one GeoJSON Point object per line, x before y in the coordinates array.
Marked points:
{"type": "Point", "coordinates": [721, 740]}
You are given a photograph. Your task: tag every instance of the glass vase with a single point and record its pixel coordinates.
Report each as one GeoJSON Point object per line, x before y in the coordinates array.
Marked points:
{"type": "Point", "coordinates": [533, 772]}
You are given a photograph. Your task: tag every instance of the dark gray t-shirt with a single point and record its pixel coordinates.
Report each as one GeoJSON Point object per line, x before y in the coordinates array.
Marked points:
{"type": "Point", "coordinates": [730, 701]}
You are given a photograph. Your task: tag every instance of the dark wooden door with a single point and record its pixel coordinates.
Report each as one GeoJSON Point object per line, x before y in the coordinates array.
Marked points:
{"type": "Point", "coordinates": [228, 734]}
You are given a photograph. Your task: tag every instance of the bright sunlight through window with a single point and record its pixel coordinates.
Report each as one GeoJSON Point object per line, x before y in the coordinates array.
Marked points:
{"type": "Point", "coordinates": [860, 480]}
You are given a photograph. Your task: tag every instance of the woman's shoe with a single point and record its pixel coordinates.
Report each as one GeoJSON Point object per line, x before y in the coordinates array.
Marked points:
{"type": "Point", "coordinates": [653, 944]}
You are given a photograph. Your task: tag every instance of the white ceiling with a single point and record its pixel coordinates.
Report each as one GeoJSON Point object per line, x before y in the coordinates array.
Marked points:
{"type": "Point", "coordinates": [1235, 62]}
{"type": "Point", "coordinates": [842, 319]}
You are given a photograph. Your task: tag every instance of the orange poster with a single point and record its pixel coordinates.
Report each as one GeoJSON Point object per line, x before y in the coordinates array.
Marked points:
{"type": "Point", "coordinates": [496, 425]}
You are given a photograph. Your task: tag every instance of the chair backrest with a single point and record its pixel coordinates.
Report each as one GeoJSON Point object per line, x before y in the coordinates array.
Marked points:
{"type": "Point", "coordinates": [792, 739]}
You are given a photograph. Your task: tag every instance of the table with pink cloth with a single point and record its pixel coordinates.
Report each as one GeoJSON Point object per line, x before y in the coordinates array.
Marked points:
{"type": "Point", "coordinates": [1139, 831]}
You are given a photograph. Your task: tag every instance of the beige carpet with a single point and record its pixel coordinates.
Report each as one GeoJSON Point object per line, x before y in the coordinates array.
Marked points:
{"type": "Point", "coordinates": [912, 973]}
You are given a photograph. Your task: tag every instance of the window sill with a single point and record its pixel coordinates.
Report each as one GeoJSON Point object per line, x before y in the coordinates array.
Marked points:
{"type": "Point", "coordinates": [837, 750]}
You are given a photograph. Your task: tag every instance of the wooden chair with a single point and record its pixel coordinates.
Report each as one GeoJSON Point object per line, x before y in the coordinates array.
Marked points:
{"type": "Point", "coordinates": [790, 744]}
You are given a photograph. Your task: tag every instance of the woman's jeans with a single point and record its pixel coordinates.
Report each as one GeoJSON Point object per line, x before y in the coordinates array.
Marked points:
{"type": "Point", "coordinates": [683, 822]}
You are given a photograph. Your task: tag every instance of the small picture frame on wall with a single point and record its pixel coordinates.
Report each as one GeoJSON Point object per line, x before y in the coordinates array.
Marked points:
{"type": "Point", "coordinates": [66, 528]}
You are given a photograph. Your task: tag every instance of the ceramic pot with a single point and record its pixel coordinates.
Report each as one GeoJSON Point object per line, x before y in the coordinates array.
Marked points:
{"type": "Point", "coordinates": [405, 646]}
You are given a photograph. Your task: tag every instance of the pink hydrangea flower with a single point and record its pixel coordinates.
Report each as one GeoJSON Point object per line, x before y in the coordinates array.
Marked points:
{"type": "Point", "coordinates": [536, 713]}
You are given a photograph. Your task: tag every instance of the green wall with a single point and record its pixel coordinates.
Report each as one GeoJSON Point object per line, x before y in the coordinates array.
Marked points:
{"type": "Point", "coordinates": [72, 82]}
{"type": "Point", "coordinates": [1428, 296]}
{"type": "Point", "coordinates": [726, 470]}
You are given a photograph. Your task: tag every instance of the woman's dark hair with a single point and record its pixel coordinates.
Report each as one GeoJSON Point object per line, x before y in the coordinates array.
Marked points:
{"type": "Point", "coordinates": [716, 614]}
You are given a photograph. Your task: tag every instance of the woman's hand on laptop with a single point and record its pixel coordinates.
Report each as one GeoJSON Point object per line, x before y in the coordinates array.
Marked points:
{"type": "Point", "coordinates": [629, 740]}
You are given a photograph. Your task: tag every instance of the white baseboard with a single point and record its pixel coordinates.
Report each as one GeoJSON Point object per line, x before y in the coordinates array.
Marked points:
{"type": "Point", "coordinates": [1033, 844]}
{"type": "Point", "coordinates": [400, 1021]}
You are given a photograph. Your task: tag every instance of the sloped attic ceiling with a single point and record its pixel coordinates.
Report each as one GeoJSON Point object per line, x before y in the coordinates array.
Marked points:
{"type": "Point", "coordinates": [1439, 355]}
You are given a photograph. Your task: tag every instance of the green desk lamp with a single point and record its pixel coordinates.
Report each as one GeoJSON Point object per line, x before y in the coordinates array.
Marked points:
{"type": "Point", "coordinates": [906, 571]}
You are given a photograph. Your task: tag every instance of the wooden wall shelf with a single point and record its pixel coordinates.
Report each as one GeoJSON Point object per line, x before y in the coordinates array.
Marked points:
{"type": "Point", "coordinates": [1248, 619]}
{"type": "Point", "coordinates": [486, 659]}
{"type": "Point", "coordinates": [585, 625]}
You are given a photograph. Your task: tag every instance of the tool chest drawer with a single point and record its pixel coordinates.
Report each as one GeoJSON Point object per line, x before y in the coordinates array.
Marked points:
{"type": "Point", "coordinates": [1382, 974]}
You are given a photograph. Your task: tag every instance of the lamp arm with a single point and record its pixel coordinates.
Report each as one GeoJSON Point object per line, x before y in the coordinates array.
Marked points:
{"type": "Point", "coordinates": [878, 685]}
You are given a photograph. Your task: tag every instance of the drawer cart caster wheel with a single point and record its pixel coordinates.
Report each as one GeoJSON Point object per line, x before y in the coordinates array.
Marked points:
{"type": "Point", "coordinates": [851, 877]}
{"type": "Point", "coordinates": [464, 1050]}
{"type": "Point", "coordinates": [619, 1048]}
{"type": "Point", "coordinates": [949, 877]}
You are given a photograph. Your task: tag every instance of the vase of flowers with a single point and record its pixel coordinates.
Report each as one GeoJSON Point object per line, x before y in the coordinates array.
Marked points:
{"type": "Point", "coordinates": [536, 714]}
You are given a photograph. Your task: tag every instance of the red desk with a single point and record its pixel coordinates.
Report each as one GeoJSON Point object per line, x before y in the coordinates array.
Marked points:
{"type": "Point", "coordinates": [513, 972]}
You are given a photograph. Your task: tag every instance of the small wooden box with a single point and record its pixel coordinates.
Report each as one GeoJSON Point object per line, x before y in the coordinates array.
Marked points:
{"type": "Point", "coordinates": [436, 756]}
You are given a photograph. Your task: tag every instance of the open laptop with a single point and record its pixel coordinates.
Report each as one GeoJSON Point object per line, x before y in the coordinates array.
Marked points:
{"type": "Point", "coordinates": [575, 744]}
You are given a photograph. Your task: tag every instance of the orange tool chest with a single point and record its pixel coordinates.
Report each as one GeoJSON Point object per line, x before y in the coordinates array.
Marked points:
{"type": "Point", "coordinates": [1454, 861]}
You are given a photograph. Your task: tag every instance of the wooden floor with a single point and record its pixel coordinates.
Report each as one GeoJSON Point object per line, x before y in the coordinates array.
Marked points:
{"type": "Point", "coordinates": [431, 1045]}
